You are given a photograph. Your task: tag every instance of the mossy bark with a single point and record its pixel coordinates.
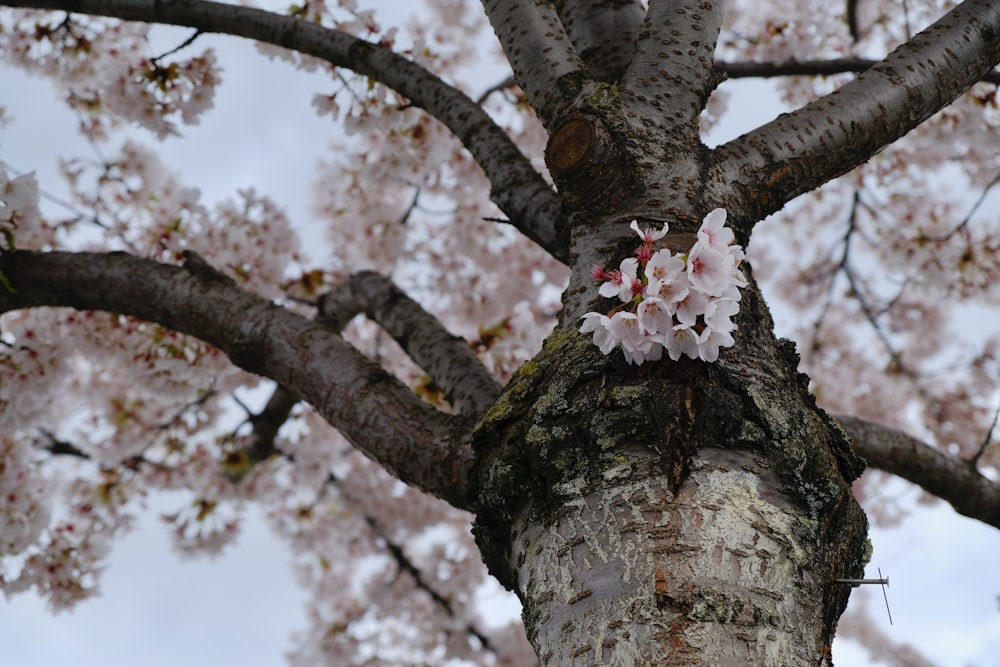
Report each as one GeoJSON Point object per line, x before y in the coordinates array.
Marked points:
{"type": "Point", "coordinates": [678, 513]}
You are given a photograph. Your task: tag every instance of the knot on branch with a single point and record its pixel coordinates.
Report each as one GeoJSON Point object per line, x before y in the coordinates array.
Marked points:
{"type": "Point", "coordinates": [587, 165]}
{"type": "Point", "coordinates": [196, 265]}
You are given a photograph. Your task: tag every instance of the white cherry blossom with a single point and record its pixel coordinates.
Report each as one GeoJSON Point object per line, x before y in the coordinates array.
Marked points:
{"type": "Point", "coordinates": [663, 268]}
{"type": "Point", "coordinates": [625, 327]}
{"type": "Point", "coordinates": [598, 324]}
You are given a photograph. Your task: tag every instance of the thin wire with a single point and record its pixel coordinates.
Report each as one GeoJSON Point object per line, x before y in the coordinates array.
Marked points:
{"type": "Point", "coordinates": [886, 597]}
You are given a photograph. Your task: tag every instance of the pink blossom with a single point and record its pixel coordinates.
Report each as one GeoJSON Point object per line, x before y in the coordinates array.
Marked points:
{"type": "Point", "coordinates": [624, 283]}
{"type": "Point", "coordinates": [691, 307]}
{"type": "Point", "coordinates": [647, 235]}
{"type": "Point", "coordinates": [663, 266]}
{"type": "Point", "coordinates": [681, 340]}
{"type": "Point", "coordinates": [655, 315]}
{"type": "Point", "coordinates": [708, 269]}
{"type": "Point", "coordinates": [598, 324]}
{"type": "Point", "coordinates": [683, 304]}
{"type": "Point", "coordinates": [667, 278]}
{"type": "Point", "coordinates": [713, 232]}
{"type": "Point", "coordinates": [718, 314]}
{"type": "Point", "coordinates": [709, 342]}
{"type": "Point", "coordinates": [647, 350]}
{"type": "Point", "coordinates": [625, 327]}
{"type": "Point", "coordinates": [20, 219]}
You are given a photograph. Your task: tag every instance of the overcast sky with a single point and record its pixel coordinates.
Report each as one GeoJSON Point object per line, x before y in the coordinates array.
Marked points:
{"type": "Point", "coordinates": [241, 608]}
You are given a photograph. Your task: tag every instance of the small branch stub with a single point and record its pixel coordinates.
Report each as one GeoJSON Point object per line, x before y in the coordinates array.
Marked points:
{"type": "Point", "coordinates": [571, 143]}
{"type": "Point", "coordinates": [587, 166]}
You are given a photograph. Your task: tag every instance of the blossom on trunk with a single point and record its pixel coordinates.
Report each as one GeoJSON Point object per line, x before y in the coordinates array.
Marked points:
{"type": "Point", "coordinates": [683, 304]}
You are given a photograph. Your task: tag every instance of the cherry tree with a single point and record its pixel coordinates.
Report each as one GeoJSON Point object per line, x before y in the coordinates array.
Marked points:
{"type": "Point", "coordinates": [545, 309]}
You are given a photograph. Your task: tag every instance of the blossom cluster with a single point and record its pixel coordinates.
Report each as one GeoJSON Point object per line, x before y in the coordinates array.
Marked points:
{"type": "Point", "coordinates": [153, 95]}
{"type": "Point", "coordinates": [681, 303]}
{"type": "Point", "coordinates": [103, 70]}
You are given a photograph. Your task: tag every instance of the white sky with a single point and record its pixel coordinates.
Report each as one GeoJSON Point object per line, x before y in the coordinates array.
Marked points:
{"type": "Point", "coordinates": [241, 608]}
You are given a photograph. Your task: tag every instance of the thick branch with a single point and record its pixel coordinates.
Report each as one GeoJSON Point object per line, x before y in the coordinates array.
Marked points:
{"type": "Point", "coordinates": [603, 32]}
{"type": "Point", "coordinates": [948, 478]}
{"type": "Point", "coordinates": [545, 65]}
{"type": "Point", "coordinates": [672, 75]}
{"type": "Point", "coordinates": [795, 153]}
{"type": "Point", "coordinates": [447, 359]}
{"type": "Point", "coordinates": [749, 69]}
{"type": "Point", "coordinates": [377, 413]}
{"type": "Point", "coordinates": [520, 191]}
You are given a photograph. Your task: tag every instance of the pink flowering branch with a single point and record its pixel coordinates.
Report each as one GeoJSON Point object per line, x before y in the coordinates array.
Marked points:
{"type": "Point", "coordinates": [948, 478]}
{"type": "Point", "coordinates": [516, 187]}
{"type": "Point", "coordinates": [797, 152]}
{"type": "Point", "coordinates": [376, 412]}
{"type": "Point", "coordinates": [446, 358]}
{"type": "Point", "coordinates": [545, 64]}
{"type": "Point", "coordinates": [383, 536]}
{"type": "Point", "coordinates": [856, 624]}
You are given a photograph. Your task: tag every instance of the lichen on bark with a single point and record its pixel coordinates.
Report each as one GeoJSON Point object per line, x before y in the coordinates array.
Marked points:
{"type": "Point", "coordinates": [574, 424]}
{"type": "Point", "coordinates": [573, 414]}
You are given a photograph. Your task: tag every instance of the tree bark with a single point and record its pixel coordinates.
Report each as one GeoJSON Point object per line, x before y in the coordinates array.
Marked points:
{"type": "Point", "coordinates": [603, 33]}
{"type": "Point", "coordinates": [675, 514]}
{"type": "Point", "coordinates": [958, 482]}
{"type": "Point", "coordinates": [448, 359]}
{"type": "Point", "coordinates": [545, 64]}
{"type": "Point", "coordinates": [678, 513]}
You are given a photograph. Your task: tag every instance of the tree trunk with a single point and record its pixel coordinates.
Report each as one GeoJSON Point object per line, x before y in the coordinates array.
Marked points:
{"type": "Point", "coordinates": [681, 513]}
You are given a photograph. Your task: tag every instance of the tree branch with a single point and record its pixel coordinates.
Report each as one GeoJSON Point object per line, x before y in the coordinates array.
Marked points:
{"type": "Point", "coordinates": [748, 69]}
{"type": "Point", "coordinates": [447, 359]}
{"type": "Point", "coordinates": [516, 187]}
{"type": "Point", "coordinates": [259, 446]}
{"type": "Point", "coordinates": [603, 32]}
{"type": "Point", "coordinates": [852, 20]}
{"type": "Point", "coordinates": [795, 153]}
{"type": "Point", "coordinates": [545, 65]}
{"type": "Point", "coordinates": [672, 75]}
{"type": "Point", "coordinates": [378, 414]}
{"type": "Point", "coordinates": [950, 479]}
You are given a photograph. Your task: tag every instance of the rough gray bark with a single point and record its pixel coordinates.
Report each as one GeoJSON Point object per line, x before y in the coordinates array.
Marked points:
{"type": "Point", "coordinates": [466, 383]}
{"type": "Point", "coordinates": [545, 64]}
{"type": "Point", "coordinates": [676, 514]}
{"type": "Point", "coordinates": [603, 33]}
{"type": "Point", "coordinates": [744, 69]}
{"type": "Point", "coordinates": [600, 484]}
